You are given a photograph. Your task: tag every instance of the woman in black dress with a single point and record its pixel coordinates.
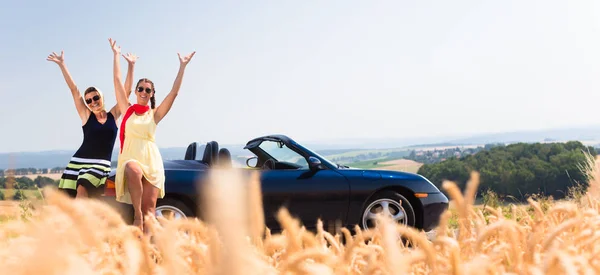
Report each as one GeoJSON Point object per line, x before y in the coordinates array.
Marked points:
{"type": "Point", "coordinates": [89, 167]}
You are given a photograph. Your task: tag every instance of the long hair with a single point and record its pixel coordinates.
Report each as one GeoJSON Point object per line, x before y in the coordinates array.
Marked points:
{"type": "Point", "coordinates": [152, 98]}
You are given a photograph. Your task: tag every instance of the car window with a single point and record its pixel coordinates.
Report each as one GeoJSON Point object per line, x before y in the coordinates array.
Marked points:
{"type": "Point", "coordinates": [284, 153]}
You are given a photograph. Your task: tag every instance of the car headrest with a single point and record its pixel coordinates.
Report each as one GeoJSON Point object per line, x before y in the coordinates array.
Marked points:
{"type": "Point", "coordinates": [224, 158]}
{"type": "Point", "coordinates": [211, 153]}
{"type": "Point", "coordinates": [191, 151]}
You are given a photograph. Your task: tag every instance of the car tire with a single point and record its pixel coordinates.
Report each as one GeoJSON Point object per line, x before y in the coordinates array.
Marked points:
{"type": "Point", "coordinates": [177, 207]}
{"type": "Point", "coordinates": [395, 202]}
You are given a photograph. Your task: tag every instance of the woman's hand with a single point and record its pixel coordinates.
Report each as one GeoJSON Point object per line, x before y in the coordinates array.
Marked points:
{"type": "Point", "coordinates": [121, 95]}
{"type": "Point", "coordinates": [60, 60]}
{"type": "Point", "coordinates": [131, 58]}
{"type": "Point", "coordinates": [165, 106]}
{"type": "Point", "coordinates": [82, 110]}
{"type": "Point", "coordinates": [113, 44]}
{"type": "Point", "coordinates": [185, 60]}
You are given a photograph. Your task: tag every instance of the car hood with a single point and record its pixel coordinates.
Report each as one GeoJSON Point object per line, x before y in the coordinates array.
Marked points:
{"type": "Point", "coordinates": [381, 174]}
{"type": "Point", "coordinates": [383, 178]}
{"type": "Point", "coordinates": [387, 174]}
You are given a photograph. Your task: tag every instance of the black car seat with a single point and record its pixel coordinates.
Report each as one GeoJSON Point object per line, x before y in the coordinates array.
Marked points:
{"type": "Point", "coordinates": [224, 158]}
{"type": "Point", "coordinates": [211, 153]}
{"type": "Point", "coordinates": [191, 151]}
{"type": "Point", "coordinates": [215, 151]}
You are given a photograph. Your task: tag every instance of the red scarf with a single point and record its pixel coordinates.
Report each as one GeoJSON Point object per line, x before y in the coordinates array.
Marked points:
{"type": "Point", "coordinates": [138, 109]}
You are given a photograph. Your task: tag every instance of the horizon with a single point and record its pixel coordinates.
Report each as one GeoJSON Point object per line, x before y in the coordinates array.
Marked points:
{"type": "Point", "coordinates": [358, 153]}
{"type": "Point", "coordinates": [355, 141]}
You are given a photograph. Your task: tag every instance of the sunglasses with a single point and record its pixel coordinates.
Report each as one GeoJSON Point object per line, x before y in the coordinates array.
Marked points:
{"type": "Point", "coordinates": [95, 98]}
{"type": "Point", "coordinates": [141, 89]}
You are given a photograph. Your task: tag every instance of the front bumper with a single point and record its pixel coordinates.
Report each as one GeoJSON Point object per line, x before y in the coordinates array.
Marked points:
{"type": "Point", "coordinates": [434, 206]}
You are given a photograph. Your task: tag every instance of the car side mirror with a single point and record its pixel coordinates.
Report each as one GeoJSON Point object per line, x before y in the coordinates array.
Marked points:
{"type": "Point", "coordinates": [314, 163]}
{"type": "Point", "coordinates": [252, 162]}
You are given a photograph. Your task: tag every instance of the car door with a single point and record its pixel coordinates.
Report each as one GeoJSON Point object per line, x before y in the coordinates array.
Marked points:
{"type": "Point", "coordinates": [307, 195]}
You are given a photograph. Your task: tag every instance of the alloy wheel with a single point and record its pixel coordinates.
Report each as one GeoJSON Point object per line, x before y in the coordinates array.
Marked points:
{"type": "Point", "coordinates": [387, 207]}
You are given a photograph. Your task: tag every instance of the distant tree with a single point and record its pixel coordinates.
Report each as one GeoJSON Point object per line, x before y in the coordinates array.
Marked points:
{"type": "Point", "coordinates": [19, 195]}
{"type": "Point", "coordinates": [25, 183]}
{"type": "Point", "coordinates": [519, 169]}
{"type": "Point", "coordinates": [41, 182]}
{"type": "Point", "coordinates": [56, 170]}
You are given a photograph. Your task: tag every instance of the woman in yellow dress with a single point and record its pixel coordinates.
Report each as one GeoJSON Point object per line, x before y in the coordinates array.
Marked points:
{"type": "Point", "coordinates": [140, 178]}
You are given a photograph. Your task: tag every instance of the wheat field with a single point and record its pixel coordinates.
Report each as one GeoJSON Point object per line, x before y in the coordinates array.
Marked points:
{"type": "Point", "coordinates": [405, 165]}
{"type": "Point", "coordinates": [68, 236]}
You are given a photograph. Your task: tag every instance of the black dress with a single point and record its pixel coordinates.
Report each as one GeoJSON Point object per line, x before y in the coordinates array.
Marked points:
{"type": "Point", "coordinates": [90, 165]}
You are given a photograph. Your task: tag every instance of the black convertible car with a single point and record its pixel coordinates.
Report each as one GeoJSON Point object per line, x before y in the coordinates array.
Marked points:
{"type": "Point", "coordinates": [306, 183]}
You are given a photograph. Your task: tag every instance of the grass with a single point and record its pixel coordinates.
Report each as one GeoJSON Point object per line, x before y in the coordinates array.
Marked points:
{"type": "Point", "coordinates": [9, 193]}
{"type": "Point", "coordinates": [369, 164]}
{"type": "Point", "coordinates": [367, 151]}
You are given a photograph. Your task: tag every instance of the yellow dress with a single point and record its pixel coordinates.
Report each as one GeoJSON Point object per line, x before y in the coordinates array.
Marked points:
{"type": "Point", "coordinates": [139, 146]}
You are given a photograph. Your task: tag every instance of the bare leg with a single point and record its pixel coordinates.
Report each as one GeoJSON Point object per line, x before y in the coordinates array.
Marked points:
{"type": "Point", "coordinates": [133, 173]}
{"type": "Point", "coordinates": [149, 197]}
{"type": "Point", "coordinates": [81, 192]}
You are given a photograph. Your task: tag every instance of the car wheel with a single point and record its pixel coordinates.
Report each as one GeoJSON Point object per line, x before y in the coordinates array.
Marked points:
{"type": "Point", "coordinates": [167, 207]}
{"type": "Point", "coordinates": [391, 203]}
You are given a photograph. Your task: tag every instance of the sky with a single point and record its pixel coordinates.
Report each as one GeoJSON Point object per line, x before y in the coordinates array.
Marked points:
{"type": "Point", "coordinates": [314, 70]}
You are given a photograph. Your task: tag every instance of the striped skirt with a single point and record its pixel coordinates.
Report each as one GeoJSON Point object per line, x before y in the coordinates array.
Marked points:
{"type": "Point", "coordinates": [95, 171]}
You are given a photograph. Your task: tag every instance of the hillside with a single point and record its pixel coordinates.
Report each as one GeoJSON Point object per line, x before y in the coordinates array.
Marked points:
{"type": "Point", "coordinates": [518, 170]}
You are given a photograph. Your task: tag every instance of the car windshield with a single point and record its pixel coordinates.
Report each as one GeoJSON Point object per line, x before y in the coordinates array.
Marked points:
{"type": "Point", "coordinates": [320, 156]}
{"type": "Point", "coordinates": [283, 153]}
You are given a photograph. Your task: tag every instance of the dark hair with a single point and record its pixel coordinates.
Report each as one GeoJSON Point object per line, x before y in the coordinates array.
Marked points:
{"type": "Point", "coordinates": [152, 99]}
{"type": "Point", "coordinates": [90, 90]}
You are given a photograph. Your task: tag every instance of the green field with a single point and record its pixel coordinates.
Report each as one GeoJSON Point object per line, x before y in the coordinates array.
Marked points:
{"type": "Point", "coordinates": [370, 151]}
{"type": "Point", "coordinates": [369, 164]}
{"type": "Point", "coordinates": [30, 194]}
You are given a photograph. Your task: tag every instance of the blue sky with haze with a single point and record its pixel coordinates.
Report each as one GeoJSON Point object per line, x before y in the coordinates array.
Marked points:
{"type": "Point", "coordinates": [310, 69]}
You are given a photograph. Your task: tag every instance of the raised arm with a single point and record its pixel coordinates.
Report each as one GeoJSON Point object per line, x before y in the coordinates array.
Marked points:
{"type": "Point", "coordinates": [165, 105]}
{"type": "Point", "coordinates": [82, 110]}
{"type": "Point", "coordinates": [122, 100]}
{"type": "Point", "coordinates": [131, 59]}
